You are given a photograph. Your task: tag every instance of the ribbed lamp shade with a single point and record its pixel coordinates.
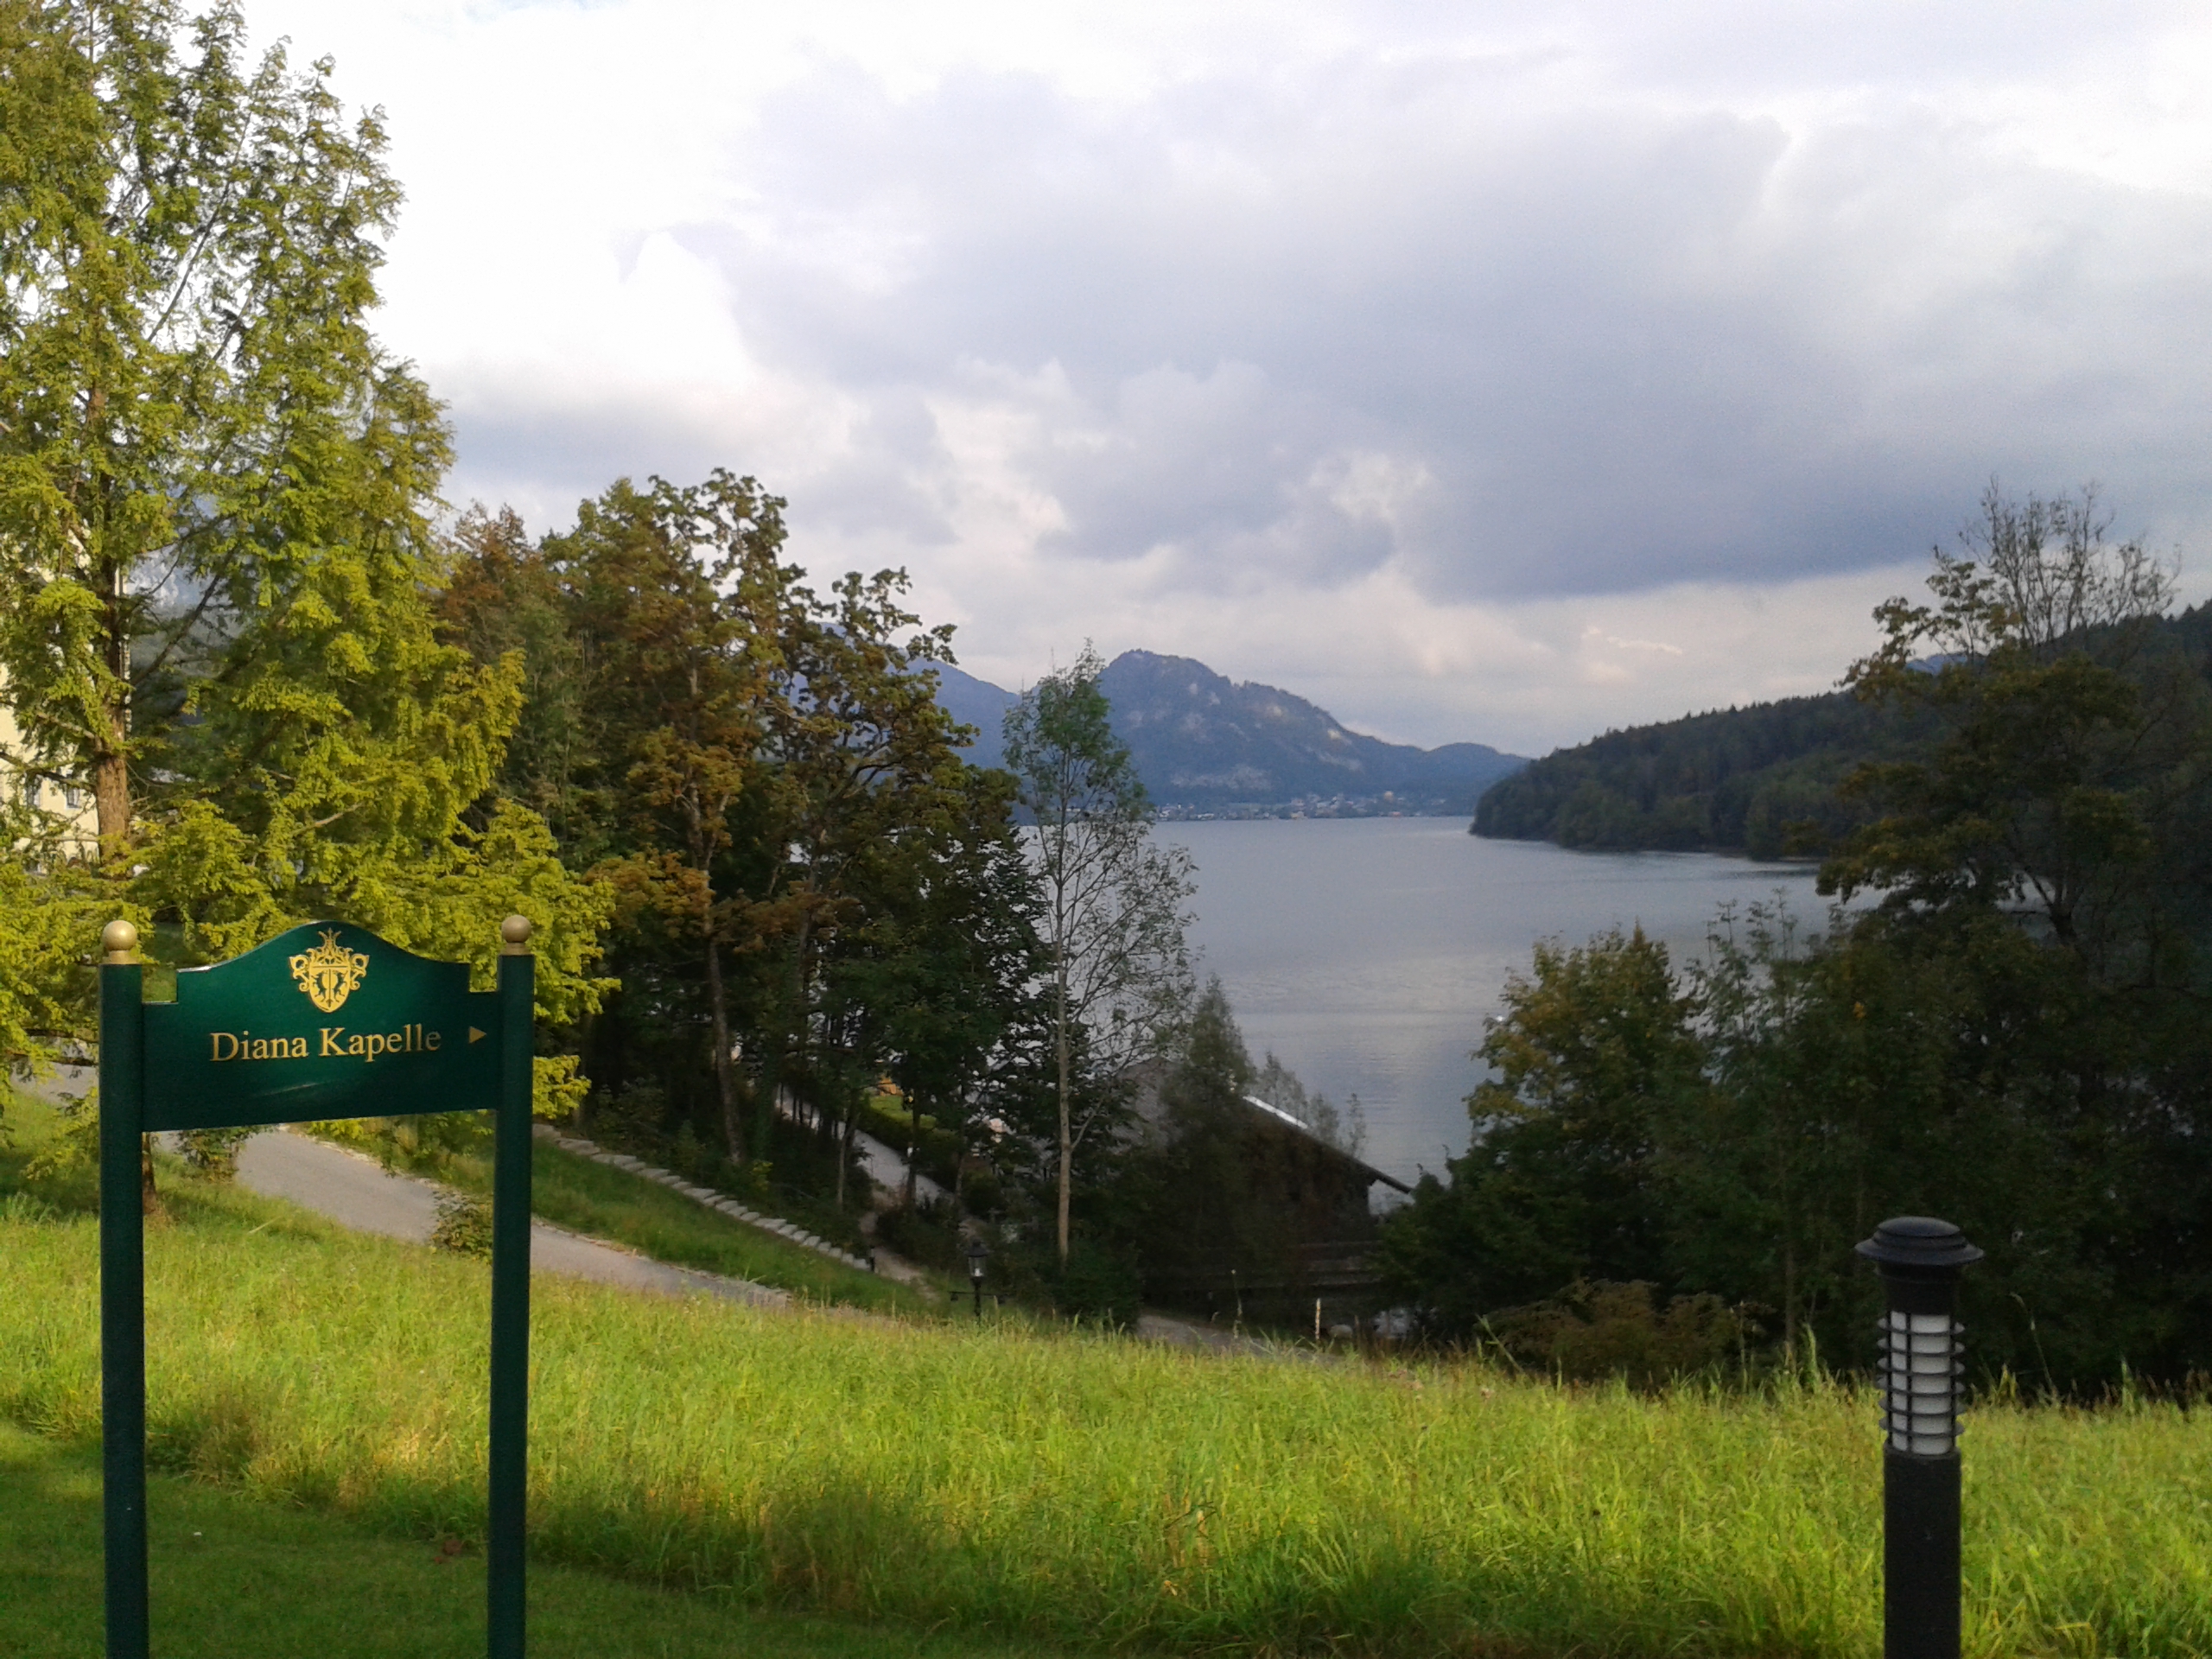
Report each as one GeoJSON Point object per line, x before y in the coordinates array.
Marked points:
{"type": "Point", "coordinates": [1921, 1363]}
{"type": "Point", "coordinates": [1922, 1348]}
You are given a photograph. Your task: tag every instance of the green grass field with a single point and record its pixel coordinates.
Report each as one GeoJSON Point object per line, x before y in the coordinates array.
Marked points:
{"type": "Point", "coordinates": [1021, 1486]}
{"type": "Point", "coordinates": [235, 1579]}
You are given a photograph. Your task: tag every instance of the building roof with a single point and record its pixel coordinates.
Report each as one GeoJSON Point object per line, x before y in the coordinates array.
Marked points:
{"type": "Point", "coordinates": [1306, 1129]}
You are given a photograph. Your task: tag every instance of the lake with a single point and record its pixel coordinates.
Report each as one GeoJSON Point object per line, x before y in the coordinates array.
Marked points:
{"type": "Point", "coordinates": [1366, 952]}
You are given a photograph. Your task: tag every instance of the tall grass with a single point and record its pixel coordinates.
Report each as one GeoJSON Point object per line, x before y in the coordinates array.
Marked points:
{"type": "Point", "coordinates": [1093, 1490]}
{"type": "Point", "coordinates": [231, 1578]}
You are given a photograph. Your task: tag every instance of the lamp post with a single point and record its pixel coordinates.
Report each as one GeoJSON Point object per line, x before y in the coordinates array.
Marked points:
{"type": "Point", "coordinates": [977, 1254]}
{"type": "Point", "coordinates": [1921, 1260]}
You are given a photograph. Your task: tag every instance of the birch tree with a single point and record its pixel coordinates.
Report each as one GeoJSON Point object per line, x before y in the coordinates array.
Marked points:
{"type": "Point", "coordinates": [1113, 905]}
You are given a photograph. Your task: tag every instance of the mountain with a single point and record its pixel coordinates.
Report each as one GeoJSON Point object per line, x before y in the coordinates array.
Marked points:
{"type": "Point", "coordinates": [1205, 744]}
{"type": "Point", "coordinates": [978, 704]}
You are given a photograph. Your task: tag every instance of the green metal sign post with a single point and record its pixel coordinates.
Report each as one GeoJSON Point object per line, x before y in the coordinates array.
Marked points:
{"type": "Point", "coordinates": [324, 1021]}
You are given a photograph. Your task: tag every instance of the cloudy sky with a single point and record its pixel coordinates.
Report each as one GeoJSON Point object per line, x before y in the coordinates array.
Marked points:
{"type": "Point", "coordinates": [1503, 373]}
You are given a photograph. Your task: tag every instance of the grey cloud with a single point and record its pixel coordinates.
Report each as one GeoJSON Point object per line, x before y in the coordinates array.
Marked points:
{"type": "Point", "coordinates": [542, 458]}
{"type": "Point", "coordinates": [1207, 467]}
{"type": "Point", "coordinates": [1622, 344]}
{"type": "Point", "coordinates": [879, 482]}
{"type": "Point", "coordinates": [1626, 345]}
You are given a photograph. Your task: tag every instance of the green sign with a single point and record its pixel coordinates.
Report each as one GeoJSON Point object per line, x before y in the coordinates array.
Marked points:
{"type": "Point", "coordinates": [324, 1021]}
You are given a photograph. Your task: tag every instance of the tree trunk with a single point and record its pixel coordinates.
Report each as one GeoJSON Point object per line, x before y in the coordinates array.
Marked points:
{"type": "Point", "coordinates": [913, 1141]}
{"type": "Point", "coordinates": [764, 1103]}
{"type": "Point", "coordinates": [1067, 1137]}
{"type": "Point", "coordinates": [110, 778]}
{"type": "Point", "coordinates": [848, 1129]}
{"type": "Point", "coordinates": [717, 995]}
{"type": "Point", "coordinates": [773, 1066]}
{"type": "Point", "coordinates": [725, 1080]}
{"type": "Point", "coordinates": [111, 802]}
{"type": "Point", "coordinates": [1790, 1300]}
{"type": "Point", "coordinates": [1786, 1187]}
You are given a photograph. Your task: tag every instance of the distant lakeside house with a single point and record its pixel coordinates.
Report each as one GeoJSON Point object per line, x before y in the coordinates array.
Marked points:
{"type": "Point", "coordinates": [1276, 1226]}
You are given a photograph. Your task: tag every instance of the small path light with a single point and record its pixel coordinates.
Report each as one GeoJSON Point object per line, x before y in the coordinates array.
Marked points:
{"type": "Point", "coordinates": [978, 1253]}
{"type": "Point", "coordinates": [1921, 1259]}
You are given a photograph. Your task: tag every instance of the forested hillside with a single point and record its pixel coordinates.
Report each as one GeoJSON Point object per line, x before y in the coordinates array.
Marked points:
{"type": "Point", "coordinates": [1201, 739]}
{"type": "Point", "coordinates": [1761, 780]}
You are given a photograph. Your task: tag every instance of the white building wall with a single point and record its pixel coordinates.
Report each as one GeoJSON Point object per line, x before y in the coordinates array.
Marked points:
{"type": "Point", "coordinates": [73, 804]}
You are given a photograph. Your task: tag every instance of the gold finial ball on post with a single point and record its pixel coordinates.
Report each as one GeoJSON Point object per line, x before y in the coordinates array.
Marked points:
{"type": "Point", "coordinates": [120, 940]}
{"type": "Point", "coordinates": [514, 936]}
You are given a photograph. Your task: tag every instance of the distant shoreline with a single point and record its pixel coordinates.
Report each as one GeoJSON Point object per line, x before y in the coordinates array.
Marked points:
{"type": "Point", "coordinates": [1290, 811]}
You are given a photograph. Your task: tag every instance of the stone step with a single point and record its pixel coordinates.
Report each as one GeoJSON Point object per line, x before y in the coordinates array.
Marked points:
{"type": "Point", "coordinates": [711, 1200]}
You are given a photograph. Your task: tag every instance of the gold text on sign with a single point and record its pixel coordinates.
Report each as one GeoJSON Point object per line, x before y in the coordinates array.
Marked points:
{"type": "Point", "coordinates": [336, 1044]}
{"type": "Point", "coordinates": [368, 1045]}
{"type": "Point", "coordinates": [329, 973]}
{"type": "Point", "coordinates": [244, 1045]}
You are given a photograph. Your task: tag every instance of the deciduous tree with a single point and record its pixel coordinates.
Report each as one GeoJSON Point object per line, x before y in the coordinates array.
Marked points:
{"type": "Point", "coordinates": [1596, 1062]}
{"type": "Point", "coordinates": [1112, 903]}
{"type": "Point", "coordinates": [657, 584]}
{"type": "Point", "coordinates": [217, 490]}
{"type": "Point", "coordinates": [2070, 730]}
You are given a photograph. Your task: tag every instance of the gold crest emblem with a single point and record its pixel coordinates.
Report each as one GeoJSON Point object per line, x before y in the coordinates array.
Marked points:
{"type": "Point", "coordinates": [329, 973]}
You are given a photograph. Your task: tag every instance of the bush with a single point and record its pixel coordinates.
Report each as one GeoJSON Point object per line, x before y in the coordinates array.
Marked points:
{"type": "Point", "coordinates": [1596, 1329]}
{"type": "Point", "coordinates": [928, 1234]}
{"type": "Point", "coordinates": [212, 1154]}
{"type": "Point", "coordinates": [464, 1226]}
{"type": "Point", "coordinates": [1097, 1285]}
{"type": "Point", "coordinates": [937, 1150]}
{"type": "Point", "coordinates": [983, 1192]}
{"type": "Point", "coordinates": [423, 1143]}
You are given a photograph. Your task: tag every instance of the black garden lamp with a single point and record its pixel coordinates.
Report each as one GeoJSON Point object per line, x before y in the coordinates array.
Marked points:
{"type": "Point", "coordinates": [978, 1253]}
{"type": "Point", "coordinates": [1921, 1260]}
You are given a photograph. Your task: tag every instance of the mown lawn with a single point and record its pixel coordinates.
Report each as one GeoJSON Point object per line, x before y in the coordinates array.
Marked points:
{"type": "Point", "coordinates": [1015, 1484]}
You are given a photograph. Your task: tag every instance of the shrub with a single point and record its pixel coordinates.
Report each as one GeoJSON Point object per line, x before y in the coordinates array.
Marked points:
{"type": "Point", "coordinates": [464, 1226]}
{"type": "Point", "coordinates": [1098, 1284]}
{"type": "Point", "coordinates": [1597, 1329]}
{"type": "Point", "coordinates": [928, 1234]}
{"type": "Point", "coordinates": [212, 1154]}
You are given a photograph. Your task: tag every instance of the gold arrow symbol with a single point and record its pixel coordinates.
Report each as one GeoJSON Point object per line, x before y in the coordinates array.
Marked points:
{"type": "Point", "coordinates": [474, 1035]}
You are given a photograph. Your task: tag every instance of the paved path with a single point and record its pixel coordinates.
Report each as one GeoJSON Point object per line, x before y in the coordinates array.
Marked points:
{"type": "Point", "coordinates": [887, 1168]}
{"type": "Point", "coordinates": [356, 1192]}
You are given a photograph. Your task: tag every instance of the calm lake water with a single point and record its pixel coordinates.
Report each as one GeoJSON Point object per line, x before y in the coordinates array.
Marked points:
{"type": "Point", "coordinates": [1366, 951]}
